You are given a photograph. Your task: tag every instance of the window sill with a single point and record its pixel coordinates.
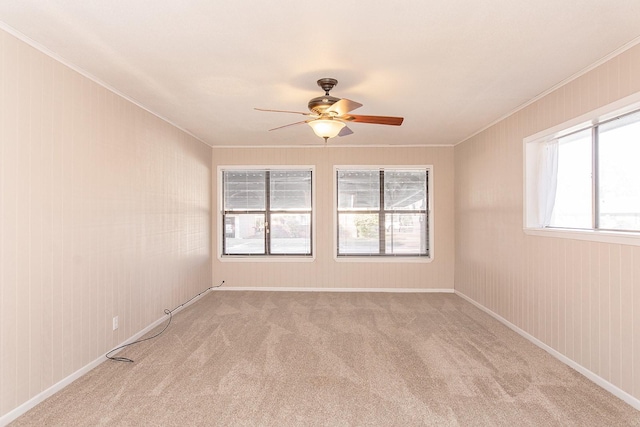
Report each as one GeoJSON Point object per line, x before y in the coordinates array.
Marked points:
{"type": "Point", "coordinates": [379, 259]}
{"type": "Point", "coordinates": [621, 238]}
{"type": "Point", "coordinates": [260, 258]}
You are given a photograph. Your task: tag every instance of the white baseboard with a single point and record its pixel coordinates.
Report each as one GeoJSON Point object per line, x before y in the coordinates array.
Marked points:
{"type": "Point", "coordinates": [303, 289]}
{"type": "Point", "coordinates": [631, 400]}
{"type": "Point", "coordinates": [41, 397]}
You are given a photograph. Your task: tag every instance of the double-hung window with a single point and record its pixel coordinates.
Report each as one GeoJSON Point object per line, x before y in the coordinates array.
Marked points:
{"type": "Point", "coordinates": [382, 212]}
{"type": "Point", "coordinates": [586, 178]}
{"type": "Point", "coordinates": [266, 212]}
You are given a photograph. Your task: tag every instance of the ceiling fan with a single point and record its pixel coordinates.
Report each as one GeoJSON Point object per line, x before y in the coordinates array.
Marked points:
{"type": "Point", "coordinates": [329, 115]}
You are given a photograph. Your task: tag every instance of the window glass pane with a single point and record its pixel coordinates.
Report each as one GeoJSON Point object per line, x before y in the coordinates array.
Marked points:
{"type": "Point", "coordinates": [573, 204]}
{"type": "Point", "coordinates": [244, 234]}
{"type": "Point", "coordinates": [405, 190]}
{"type": "Point", "coordinates": [244, 190]}
{"type": "Point", "coordinates": [358, 190]}
{"type": "Point", "coordinates": [619, 174]}
{"type": "Point", "coordinates": [358, 234]}
{"type": "Point", "coordinates": [290, 190]}
{"type": "Point", "coordinates": [290, 234]}
{"type": "Point", "coordinates": [405, 234]}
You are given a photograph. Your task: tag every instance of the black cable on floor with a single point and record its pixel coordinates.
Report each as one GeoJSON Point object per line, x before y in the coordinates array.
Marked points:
{"type": "Point", "coordinates": [167, 312]}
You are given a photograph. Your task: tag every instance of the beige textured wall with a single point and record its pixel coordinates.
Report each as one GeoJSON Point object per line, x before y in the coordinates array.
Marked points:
{"type": "Point", "coordinates": [325, 272]}
{"type": "Point", "coordinates": [104, 211]}
{"type": "Point", "coordinates": [580, 298]}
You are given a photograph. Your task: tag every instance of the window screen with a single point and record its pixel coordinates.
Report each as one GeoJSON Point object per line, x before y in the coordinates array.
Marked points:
{"type": "Point", "coordinates": [267, 212]}
{"type": "Point", "coordinates": [382, 212]}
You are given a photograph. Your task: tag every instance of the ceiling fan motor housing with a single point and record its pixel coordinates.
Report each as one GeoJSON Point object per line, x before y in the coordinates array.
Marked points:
{"type": "Point", "coordinates": [319, 105]}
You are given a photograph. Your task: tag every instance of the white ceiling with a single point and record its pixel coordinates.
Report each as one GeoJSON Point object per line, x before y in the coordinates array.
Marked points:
{"type": "Point", "coordinates": [449, 67]}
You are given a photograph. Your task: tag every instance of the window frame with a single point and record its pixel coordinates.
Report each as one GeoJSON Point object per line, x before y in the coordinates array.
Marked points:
{"type": "Point", "coordinates": [264, 257]}
{"type": "Point", "coordinates": [590, 120]}
{"type": "Point", "coordinates": [404, 258]}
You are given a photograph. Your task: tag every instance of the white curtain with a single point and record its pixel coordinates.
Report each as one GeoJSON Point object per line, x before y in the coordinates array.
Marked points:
{"type": "Point", "coordinates": [547, 181]}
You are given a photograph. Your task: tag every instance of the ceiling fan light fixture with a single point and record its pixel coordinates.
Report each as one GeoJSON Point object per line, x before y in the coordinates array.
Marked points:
{"type": "Point", "coordinates": [326, 128]}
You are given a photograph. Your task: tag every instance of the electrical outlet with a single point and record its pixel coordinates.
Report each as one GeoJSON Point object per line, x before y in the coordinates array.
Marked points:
{"type": "Point", "coordinates": [115, 323]}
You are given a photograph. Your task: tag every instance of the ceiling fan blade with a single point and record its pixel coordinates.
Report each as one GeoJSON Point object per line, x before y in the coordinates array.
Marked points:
{"type": "Point", "coordinates": [345, 131]}
{"type": "Point", "coordinates": [291, 124]}
{"type": "Point", "coordinates": [343, 106]}
{"type": "Point", "coordinates": [283, 111]}
{"type": "Point", "coordinates": [379, 120]}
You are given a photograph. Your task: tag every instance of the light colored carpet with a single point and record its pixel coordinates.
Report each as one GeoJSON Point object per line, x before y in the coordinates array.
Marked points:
{"type": "Point", "coordinates": [238, 358]}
